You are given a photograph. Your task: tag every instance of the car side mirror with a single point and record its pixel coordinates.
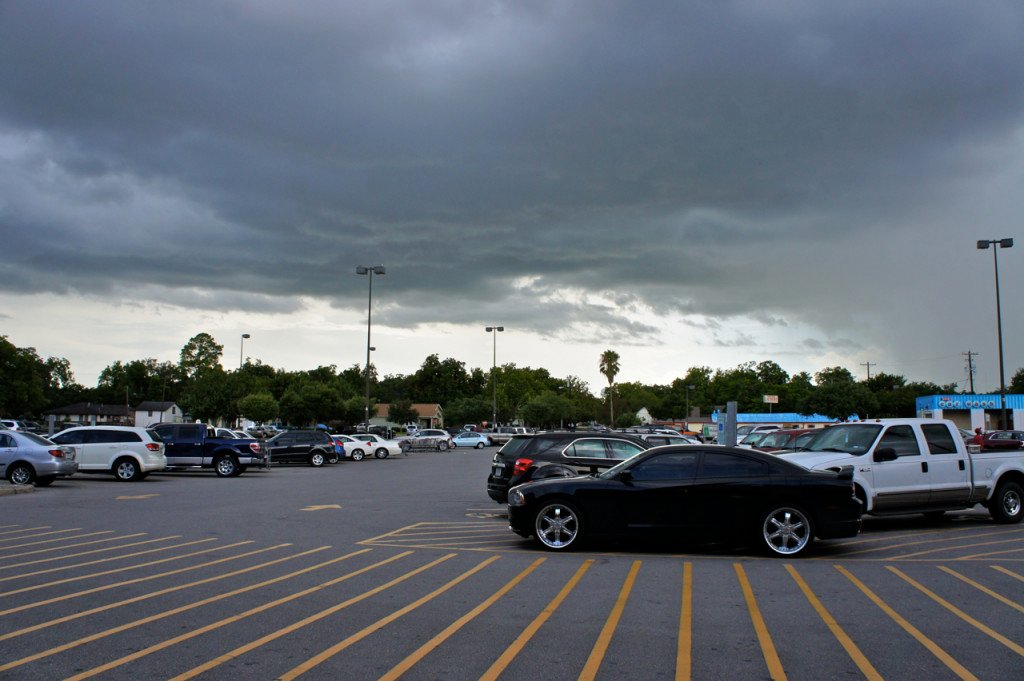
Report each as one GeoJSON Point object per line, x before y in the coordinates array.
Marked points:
{"type": "Point", "coordinates": [884, 454]}
{"type": "Point", "coordinates": [626, 476]}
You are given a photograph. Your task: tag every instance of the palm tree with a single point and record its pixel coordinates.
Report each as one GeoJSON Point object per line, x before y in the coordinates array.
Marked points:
{"type": "Point", "coordinates": [610, 367]}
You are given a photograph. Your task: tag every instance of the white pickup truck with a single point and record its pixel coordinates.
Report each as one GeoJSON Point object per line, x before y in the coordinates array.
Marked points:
{"type": "Point", "coordinates": [918, 466]}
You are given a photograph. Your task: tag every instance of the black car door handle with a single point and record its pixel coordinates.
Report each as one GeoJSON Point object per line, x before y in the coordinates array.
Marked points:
{"type": "Point", "coordinates": [924, 466]}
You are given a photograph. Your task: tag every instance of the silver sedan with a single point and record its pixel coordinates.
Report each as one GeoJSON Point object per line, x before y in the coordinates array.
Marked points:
{"type": "Point", "coordinates": [27, 458]}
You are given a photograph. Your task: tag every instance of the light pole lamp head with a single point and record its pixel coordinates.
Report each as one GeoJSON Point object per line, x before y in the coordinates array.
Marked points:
{"type": "Point", "coordinates": [245, 335]}
{"type": "Point", "coordinates": [1006, 243]}
{"type": "Point", "coordinates": [378, 269]}
{"type": "Point", "coordinates": [983, 244]}
{"type": "Point", "coordinates": [489, 329]}
{"type": "Point", "coordinates": [366, 270]}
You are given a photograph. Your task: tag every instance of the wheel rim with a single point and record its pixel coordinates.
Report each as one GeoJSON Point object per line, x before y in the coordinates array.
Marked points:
{"type": "Point", "coordinates": [1011, 503]}
{"type": "Point", "coordinates": [126, 470]}
{"type": "Point", "coordinates": [21, 476]}
{"type": "Point", "coordinates": [358, 455]}
{"type": "Point", "coordinates": [318, 459]}
{"type": "Point", "coordinates": [786, 531]}
{"type": "Point", "coordinates": [225, 466]}
{"type": "Point", "coordinates": [382, 453]}
{"type": "Point", "coordinates": [557, 526]}
{"type": "Point", "coordinates": [479, 445]}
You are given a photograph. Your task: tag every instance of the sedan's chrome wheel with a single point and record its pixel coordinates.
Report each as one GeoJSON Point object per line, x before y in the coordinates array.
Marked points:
{"type": "Point", "coordinates": [381, 453]}
{"type": "Point", "coordinates": [557, 525]}
{"type": "Point", "coordinates": [787, 531]}
{"type": "Point", "coordinates": [21, 474]}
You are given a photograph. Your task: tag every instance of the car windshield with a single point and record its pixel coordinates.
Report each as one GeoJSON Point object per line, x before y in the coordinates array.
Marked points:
{"type": "Point", "coordinates": [853, 438]}
{"type": "Point", "coordinates": [610, 473]}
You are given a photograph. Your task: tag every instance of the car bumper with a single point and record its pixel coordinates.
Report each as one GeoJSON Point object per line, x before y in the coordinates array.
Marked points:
{"type": "Point", "coordinates": [62, 468]}
{"type": "Point", "coordinates": [520, 520]}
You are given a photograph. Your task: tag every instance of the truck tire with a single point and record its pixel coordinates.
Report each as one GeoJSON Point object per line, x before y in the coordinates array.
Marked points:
{"type": "Point", "coordinates": [226, 467]}
{"type": "Point", "coordinates": [1005, 506]}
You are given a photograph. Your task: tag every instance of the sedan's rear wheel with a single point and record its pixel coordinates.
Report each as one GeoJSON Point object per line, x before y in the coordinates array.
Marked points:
{"type": "Point", "coordinates": [126, 470]}
{"type": "Point", "coordinates": [786, 531]}
{"type": "Point", "coordinates": [442, 446]}
{"type": "Point", "coordinates": [21, 474]}
{"type": "Point", "coordinates": [478, 445]}
{"type": "Point", "coordinates": [317, 459]}
{"type": "Point", "coordinates": [358, 455]}
{"type": "Point", "coordinates": [557, 526]}
{"type": "Point", "coordinates": [381, 453]}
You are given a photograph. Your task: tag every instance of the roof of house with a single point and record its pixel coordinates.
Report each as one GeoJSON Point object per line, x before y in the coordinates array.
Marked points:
{"type": "Point", "coordinates": [89, 409]}
{"type": "Point", "coordinates": [155, 406]}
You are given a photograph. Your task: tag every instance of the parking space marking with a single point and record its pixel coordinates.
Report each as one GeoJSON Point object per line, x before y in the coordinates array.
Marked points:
{"type": "Point", "coordinates": [1007, 572]}
{"type": "Point", "coordinates": [499, 665]}
{"type": "Point", "coordinates": [462, 536]}
{"type": "Point", "coordinates": [684, 641]}
{"type": "Point", "coordinates": [988, 631]}
{"type": "Point", "coordinates": [916, 633]}
{"type": "Point", "coordinates": [597, 653]}
{"type": "Point", "coordinates": [107, 560]}
{"type": "Point", "coordinates": [236, 618]}
{"type": "Point", "coordinates": [958, 546]}
{"type": "Point", "coordinates": [983, 589]}
{"type": "Point", "coordinates": [137, 580]}
{"type": "Point", "coordinates": [411, 660]}
{"type": "Point", "coordinates": [50, 541]}
{"type": "Point", "coordinates": [991, 554]}
{"type": "Point", "coordinates": [295, 626]}
{"type": "Point", "coordinates": [851, 648]}
{"type": "Point", "coordinates": [89, 553]}
{"type": "Point", "coordinates": [919, 542]}
{"type": "Point", "coordinates": [771, 656]}
{"type": "Point", "coordinates": [51, 549]}
{"type": "Point", "coordinates": [35, 529]}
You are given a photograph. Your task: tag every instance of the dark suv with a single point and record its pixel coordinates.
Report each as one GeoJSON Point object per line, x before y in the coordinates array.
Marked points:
{"type": "Point", "coordinates": [557, 455]}
{"type": "Point", "coordinates": [315, 447]}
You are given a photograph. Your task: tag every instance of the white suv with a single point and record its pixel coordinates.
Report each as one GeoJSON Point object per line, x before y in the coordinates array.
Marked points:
{"type": "Point", "coordinates": [129, 453]}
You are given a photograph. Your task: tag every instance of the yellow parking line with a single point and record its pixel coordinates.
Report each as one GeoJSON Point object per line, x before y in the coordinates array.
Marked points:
{"type": "Point", "coordinates": [137, 580]}
{"type": "Point", "coordinates": [330, 652]}
{"type": "Point", "coordinates": [916, 543]}
{"type": "Point", "coordinates": [771, 657]}
{"type": "Point", "coordinates": [51, 541]}
{"type": "Point", "coordinates": [1010, 573]}
{"type": "Point", "coordinates": [495, 670]}
{"type": "Point", "coordinates": [34, 529]}
{"type": "Point", "coordinates": [932, 647]}
{"type": "Point", "coordinates": [236, 618]}
{"type": "Point", "coordinates": [684, 643]}
{"type": "Point", "coordinates": [92, 551]}
{"type": "Point", "coordinates": [958, 612]}
{"type": "Point", "coordinates": [295, 626]}
{"type": "Point", "coordinates": [417, 655]}
{"type": "Point", "coordinates": [117, 569]}
{"type": "Point", "coordinates": [989, 554]}
{"type": "Point", "coordinates": [984, 589]}
{"type": "Point", "coordinates": [153, 594]}
{"type": "Point", "coordinates": [52, 549]}
{"type": "Point", "coordinates": [862, 662]}
{"type": "Point", "coordinates": [605, 637]}
{"type": "Point", "coordinates": [953, 548]}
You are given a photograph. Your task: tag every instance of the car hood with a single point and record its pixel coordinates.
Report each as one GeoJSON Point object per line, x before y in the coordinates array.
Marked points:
{"type": "Point", "coordinates": [817, 459]}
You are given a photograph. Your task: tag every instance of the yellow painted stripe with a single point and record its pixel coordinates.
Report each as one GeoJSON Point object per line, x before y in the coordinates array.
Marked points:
{"type": "Point", "coordinates": [992, 633]}
{"type": "Point", "coordinates": [684, 644]}
{"type": "Point", "coordinates": [604, 639]}
{"type": "Point", "coordinates": [495, 670]}
{"type": "Point", "coordinates": [121, 557]}
{"type": "Point", "coordinates": [53, 541]}
{"type": "Point", "coordinates": [957, 547]}
{"type": "Point", "coordinates": [932, 647]}
{"type": "Point", "coordinates": [1010, 573]}
{"type": "Point", "coordinates": [234, 618]}
{"type": "Point", "coordinates": [984, 589]}
{"type": "Point", "coordinates": [35, 529]}
{"type": "Point", "coordinates": [416, 656]}
{"type": "Point", "coordinates": [858, 657]}
{"type": "Point", "coordinates": [253, 645]}
{"type": "Point", "coordinates": [93, 575]}
{"type": "Point", "coordinates": [989, 554]}
{"type": "Point", "coordinates": [153, 618]}
{"type": "Point", "coordinates": [330, 652]}
{"type": "Point", "coordinates": [771, 657]}
{"type": "Point", "coordinates": [105, 549]}
{"type": "Point", "coordinates": [137, 580]}
{"type": "Point", "coordinates": [944, 538]}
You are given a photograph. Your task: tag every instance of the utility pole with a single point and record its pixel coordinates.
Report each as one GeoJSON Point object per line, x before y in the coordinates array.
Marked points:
{"type": "Point", "coordinates": [970, 367]}
{"type": "Point", "coordinates": [869, 365]}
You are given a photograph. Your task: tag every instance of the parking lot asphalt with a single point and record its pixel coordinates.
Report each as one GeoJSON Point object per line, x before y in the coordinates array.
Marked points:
{"type": "Point", "coordinates": [403, 568]}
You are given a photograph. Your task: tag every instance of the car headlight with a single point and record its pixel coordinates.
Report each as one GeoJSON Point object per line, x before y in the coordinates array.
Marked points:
{"type": "Point", "coordinates": [516, 497]}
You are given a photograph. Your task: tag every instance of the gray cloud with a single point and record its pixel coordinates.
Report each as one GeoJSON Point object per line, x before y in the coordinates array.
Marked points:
{"type": "Point", "coordinates": [724, 161]}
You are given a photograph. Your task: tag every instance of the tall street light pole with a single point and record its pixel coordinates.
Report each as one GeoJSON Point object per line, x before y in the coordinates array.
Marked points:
{"type": "Point", "coordinates": [493, 330]}
{"type": "Point", "coordinates": [996, 245]}
{"type": "Point", "coordinates": [369, 270]}
{"type": "Point", "coordinates": [241, 346]}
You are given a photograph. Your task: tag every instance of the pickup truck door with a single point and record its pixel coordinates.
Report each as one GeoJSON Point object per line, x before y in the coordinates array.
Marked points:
{"type": "Point", "coordinates": [183, 443]}
{"type": "Point", "coordinates": [902, 483]}
{"type": "Point", "coordinates": [948, 467]}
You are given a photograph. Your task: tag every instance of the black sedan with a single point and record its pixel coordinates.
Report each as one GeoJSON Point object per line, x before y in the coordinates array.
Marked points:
{"type": "Point", "coordinates": [694, 492]}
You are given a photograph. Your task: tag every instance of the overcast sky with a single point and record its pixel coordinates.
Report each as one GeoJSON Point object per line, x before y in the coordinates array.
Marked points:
{"type": "Point", "coordinates": [687, 183]}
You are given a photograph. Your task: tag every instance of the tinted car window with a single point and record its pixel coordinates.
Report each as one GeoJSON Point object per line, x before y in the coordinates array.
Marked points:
{"type": "Point", "coordinates": [6, 440]}
{"type": "Point", "coordinates": [620, 449]}
{"type": "Point", "coordinates": [154, 435]}
{"type": "Point", "coordinates": [720, 465]}
{"type": "Point", "coordinates": [901, 439]}
{"type": "Point", "coordinates": [939, 439]}
{"type": "Point", "coordinates": [669, 466]}
{"type": "Point", "coordinates": [587, 449]}
{"type": "Point", "coordinates": [72, 438]}
{"type": "Point", "coordinates": [192, 432]}
{"type": "Point", "coordinates": [118, 436]}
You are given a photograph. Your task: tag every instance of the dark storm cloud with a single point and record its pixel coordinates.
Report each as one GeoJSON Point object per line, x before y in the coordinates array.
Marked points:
{"type": "Point", "coordinates": [653, 152]}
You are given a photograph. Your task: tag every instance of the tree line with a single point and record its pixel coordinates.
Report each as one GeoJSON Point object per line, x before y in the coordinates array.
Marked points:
{"type": "Point", "coordinates": [205, 390]}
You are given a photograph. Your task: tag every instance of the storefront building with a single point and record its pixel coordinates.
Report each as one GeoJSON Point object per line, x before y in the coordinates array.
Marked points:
{"type": "Point", "coordinates": [974, 411]}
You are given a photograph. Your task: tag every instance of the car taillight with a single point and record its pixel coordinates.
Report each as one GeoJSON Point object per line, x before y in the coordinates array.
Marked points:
{"type": "Point", "coordinates": [152, 446]}
{"type": "Point", "coordinates": [521, 466]}
{"type": "Point", "coordinates": [255, 447]}
{"type": "Point", "coordinates": [59, 453]}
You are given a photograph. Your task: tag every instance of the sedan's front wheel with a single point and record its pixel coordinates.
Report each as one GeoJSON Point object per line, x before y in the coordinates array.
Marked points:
{"type": "Point", "coordinates": [786, 531]}
{"type": "Point", "coordinates": [478, 445]}
{"type": "Point", "coordinates": [557, 526]}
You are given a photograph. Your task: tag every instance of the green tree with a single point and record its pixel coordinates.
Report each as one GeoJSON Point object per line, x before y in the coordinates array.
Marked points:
{"type": "Point", "coordinates": [260, 407]}
{"type": "Point", "coordinates": [1017, 382]}
{"type": "Point", "coordinates": [467, 410]}
{"type": "Point", "coordinates": [440, 381]}
{"type": "Point", "coordinates": [401, 411]}
{"type": "Point", "coordinates": [546, 410]}
{"type": "Point", "coordinates": [201, 353]}
{"type": "Point", "coordinates": [740, 385]}
{"type": "Point", "coordinates": [839, 396]}
{"type": "Point", "coordinates": [609, 366]}
{"type": "Point", "coordinates": [208, 398]}
{"type": "Point", "coordinates": [22, 382]}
